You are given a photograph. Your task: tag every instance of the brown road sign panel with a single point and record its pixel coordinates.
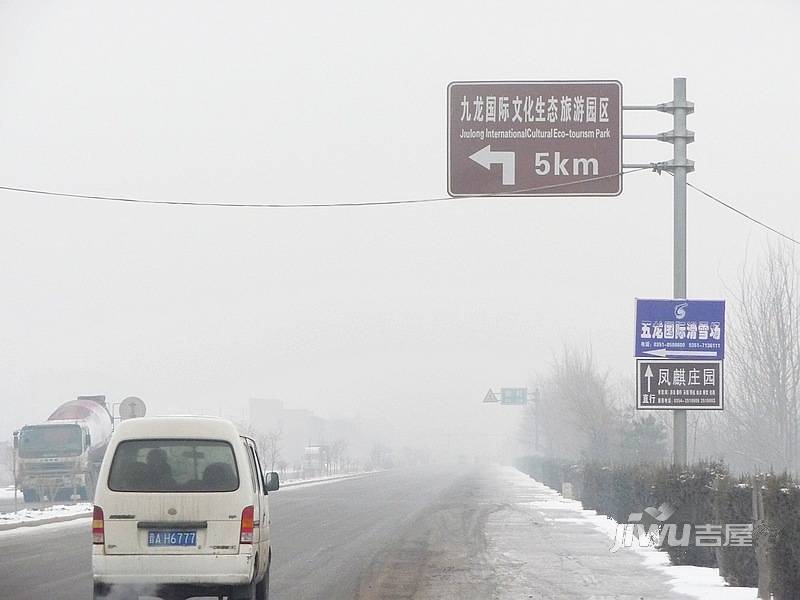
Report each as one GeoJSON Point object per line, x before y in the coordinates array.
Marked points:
{"type": "Point", "coordinates": [534, 138]}
{"type": "Point", "coordinates": [670, 384]}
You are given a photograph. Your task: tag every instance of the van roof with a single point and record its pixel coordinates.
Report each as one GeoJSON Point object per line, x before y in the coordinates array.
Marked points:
{"type": "Point", "coordinates": [177, 426]}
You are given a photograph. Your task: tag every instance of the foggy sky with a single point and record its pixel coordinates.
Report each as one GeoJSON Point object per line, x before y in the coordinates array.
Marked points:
{"type": "Point", "coordinates": [403, 315]}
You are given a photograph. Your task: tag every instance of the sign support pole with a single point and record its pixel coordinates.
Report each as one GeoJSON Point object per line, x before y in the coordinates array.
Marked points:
{"type": "Point", "coordinates": [680, 168]}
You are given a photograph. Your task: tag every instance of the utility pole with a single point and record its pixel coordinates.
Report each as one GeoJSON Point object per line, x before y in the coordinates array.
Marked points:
{"type": "Point", "coordinates": [680, 168]}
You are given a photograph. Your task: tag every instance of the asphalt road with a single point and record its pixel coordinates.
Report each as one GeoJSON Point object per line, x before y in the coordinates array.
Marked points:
{"type": "Point", "coordinates": [330, 540]}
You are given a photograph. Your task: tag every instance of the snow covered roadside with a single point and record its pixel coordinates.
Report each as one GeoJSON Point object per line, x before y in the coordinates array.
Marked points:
{"type": "Point", "coordinates": [537, 501]}
{"type": "Point", "coordinates": [7, 493]}
{"type": "Point", "coordinates": [29, 517]}
{"type": "Point", "coordinates": [292, 483]}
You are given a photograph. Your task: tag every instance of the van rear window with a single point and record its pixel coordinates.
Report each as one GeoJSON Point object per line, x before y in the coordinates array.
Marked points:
{"type": "Point", "coordinates": [173, 466]}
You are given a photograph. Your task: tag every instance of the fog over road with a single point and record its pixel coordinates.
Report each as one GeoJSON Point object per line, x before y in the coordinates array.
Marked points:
{"type": "Point", "coordinates": [473, 532]}
{"type": "Point", "coordinates": [326, 538]}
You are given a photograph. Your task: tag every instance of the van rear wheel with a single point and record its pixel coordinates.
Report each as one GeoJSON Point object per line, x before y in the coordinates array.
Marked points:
{"type": "Point", "coordinates": [262, 589]}
{"type": "Point", "coordinates": [244, 592]}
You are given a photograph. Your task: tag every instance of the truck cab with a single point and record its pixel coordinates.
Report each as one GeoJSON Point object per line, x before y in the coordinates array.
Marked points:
{"type": "Point", "coordinates": [60, 458]}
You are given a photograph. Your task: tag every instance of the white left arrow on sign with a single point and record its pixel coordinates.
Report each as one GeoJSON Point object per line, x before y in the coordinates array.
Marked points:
{"type": "Point", "coordinates": [486, 157]}
{"type": "Point", "coordinates": [664, 353]}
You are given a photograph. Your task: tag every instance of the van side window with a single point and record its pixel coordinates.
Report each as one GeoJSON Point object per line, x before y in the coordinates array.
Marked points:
{"type": "Point", "coordinates": [258, 464]}
{"type": "Point", "coordinates": [256, 468]}
{"type": "Point", "coordinates": [249, 451]}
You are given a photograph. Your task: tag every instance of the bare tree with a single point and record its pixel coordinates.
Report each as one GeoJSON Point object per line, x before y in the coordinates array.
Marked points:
{"type": "Point", "coordinates": [337, 451]}
{"type": "Point", "coordinates": [268, 444]}
{"type": "Point", "coordinates": [576, 416]}
{"type": "Point", "coordinates": [271, 446]}
{"type": "Point", "coordinates": [579, 413]}
{"type": "Point", "coordinates": [762, 416]}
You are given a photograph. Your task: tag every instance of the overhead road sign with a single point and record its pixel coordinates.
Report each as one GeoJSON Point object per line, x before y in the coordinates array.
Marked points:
{"type": "Point", "coordinates": [678, 384]}
{"type": "Point", "coordinates": [692, 329]}
{"type": "Point", "coordinates": [534, 138]}
{"type": "Point", "coordinates": [491, 397]}
{"type": "Point", "coordinates": [513, 395]}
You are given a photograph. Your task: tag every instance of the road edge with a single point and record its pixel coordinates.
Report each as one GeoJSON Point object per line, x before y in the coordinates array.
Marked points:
{"type": "Point", "coordinates": [87, 514]}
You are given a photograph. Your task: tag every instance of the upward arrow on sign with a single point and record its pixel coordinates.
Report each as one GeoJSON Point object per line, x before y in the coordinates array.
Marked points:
{"type": "Point", "coordinates": [649, 375]}
{"type": "Point", "coordinates": [486, 157]}
{"type": "Point", "coordinates": [490, 397]}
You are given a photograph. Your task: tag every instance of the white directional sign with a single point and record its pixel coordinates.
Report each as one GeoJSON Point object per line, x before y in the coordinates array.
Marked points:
{"type": "Point", "coordinates": [679, 384]}
{"type": "Point", "coordinates": [534, 138]}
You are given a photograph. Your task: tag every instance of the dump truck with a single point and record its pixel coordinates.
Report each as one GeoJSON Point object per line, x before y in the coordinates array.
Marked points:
{"type": "Point", "coordinates": [60, 458]}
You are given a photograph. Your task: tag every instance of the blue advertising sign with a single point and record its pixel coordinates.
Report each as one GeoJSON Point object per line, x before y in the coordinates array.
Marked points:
{"type": "Point", "coordinates": [680, 329]}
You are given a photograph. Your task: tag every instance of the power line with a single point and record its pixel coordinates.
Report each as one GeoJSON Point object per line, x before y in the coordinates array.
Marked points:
{"type": "Point", "coordinates": [741, 213]}
{"type": "Point", "coordinates": [384, 202]}
{"type": "Point", "coordinates": [312, 204]}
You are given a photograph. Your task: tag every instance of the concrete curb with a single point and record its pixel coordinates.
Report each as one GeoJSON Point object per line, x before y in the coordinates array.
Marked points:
{"type": "Point", "coordinates": [48, 521]}
{"type": "Point", "coordinates": [326, 479]}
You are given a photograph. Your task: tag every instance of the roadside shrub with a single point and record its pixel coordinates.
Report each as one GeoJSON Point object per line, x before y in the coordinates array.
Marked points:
{"type": "Point", "coordinates": [690, 491]}
{"type": "Point", "coordinates": [782, 510]}
{"type": "Point", "coordinates": [733, 504]}
{"type": "Point", "coordinates": [704, 493]}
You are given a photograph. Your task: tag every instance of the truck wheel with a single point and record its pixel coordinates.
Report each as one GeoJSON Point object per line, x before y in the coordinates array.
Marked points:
{"type": "Point", "coordinates": [101, 591]}
{"type": "Point", "coordinates": [30, 495]}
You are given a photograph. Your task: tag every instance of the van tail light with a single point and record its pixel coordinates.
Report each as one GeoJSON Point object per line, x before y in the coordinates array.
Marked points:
{"type": "Point", "coordinates": [246, 532]}
{"type": "Point", "coordinates": [98, 527]}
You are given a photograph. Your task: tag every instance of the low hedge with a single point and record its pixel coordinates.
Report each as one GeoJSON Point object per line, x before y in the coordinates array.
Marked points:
{"type": "Point", "coordinates": [782, 509]}
{"type": "Point", "coordinates": [704, 493]}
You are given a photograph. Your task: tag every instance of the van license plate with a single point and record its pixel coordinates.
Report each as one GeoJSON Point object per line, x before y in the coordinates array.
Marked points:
{"type": "Point", "coordinates": [167, 537]}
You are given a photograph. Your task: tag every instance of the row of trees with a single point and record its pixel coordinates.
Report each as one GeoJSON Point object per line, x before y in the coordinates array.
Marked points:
{"type": "Point", "coordinates": [582, 413]}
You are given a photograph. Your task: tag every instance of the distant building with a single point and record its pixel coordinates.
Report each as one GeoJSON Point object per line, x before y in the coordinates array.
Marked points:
{"type": "Point", "coordinates": [301, 428]}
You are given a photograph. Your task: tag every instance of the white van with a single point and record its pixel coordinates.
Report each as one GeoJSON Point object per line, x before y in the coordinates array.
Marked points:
{"type": "Point", "coordinates": [180, 511]}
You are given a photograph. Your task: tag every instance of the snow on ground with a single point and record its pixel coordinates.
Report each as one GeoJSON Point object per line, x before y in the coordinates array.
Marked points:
{"type": "Point", "coordinates": [7, 493]}
{"type": "Point", "coordinates": [537, 510]}
{"type": "Point", "coordinates": [31, 515]}
{"type": "Point", "coordinates": [304, 483]}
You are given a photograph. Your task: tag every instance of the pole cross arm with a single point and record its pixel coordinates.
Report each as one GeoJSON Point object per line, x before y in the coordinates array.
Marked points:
{"type": "Point", "coordinates": [666, 136]}
{"type": "Point", "coordinates": [671, 165]}
{"type": "Point", "coordinates": [667, 107]}
{"type": "Point", "coordinates": [671, 107]}
{"type": "Point", "coordinates": [664, 165]}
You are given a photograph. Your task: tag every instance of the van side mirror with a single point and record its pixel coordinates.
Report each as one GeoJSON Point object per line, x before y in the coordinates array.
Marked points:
{"type": "Point", "coordinates": [272, 482]}
{"type": "Point", "coordinates": [16, 440]}
{"type": "Point", "coordinates": [88, 440]}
